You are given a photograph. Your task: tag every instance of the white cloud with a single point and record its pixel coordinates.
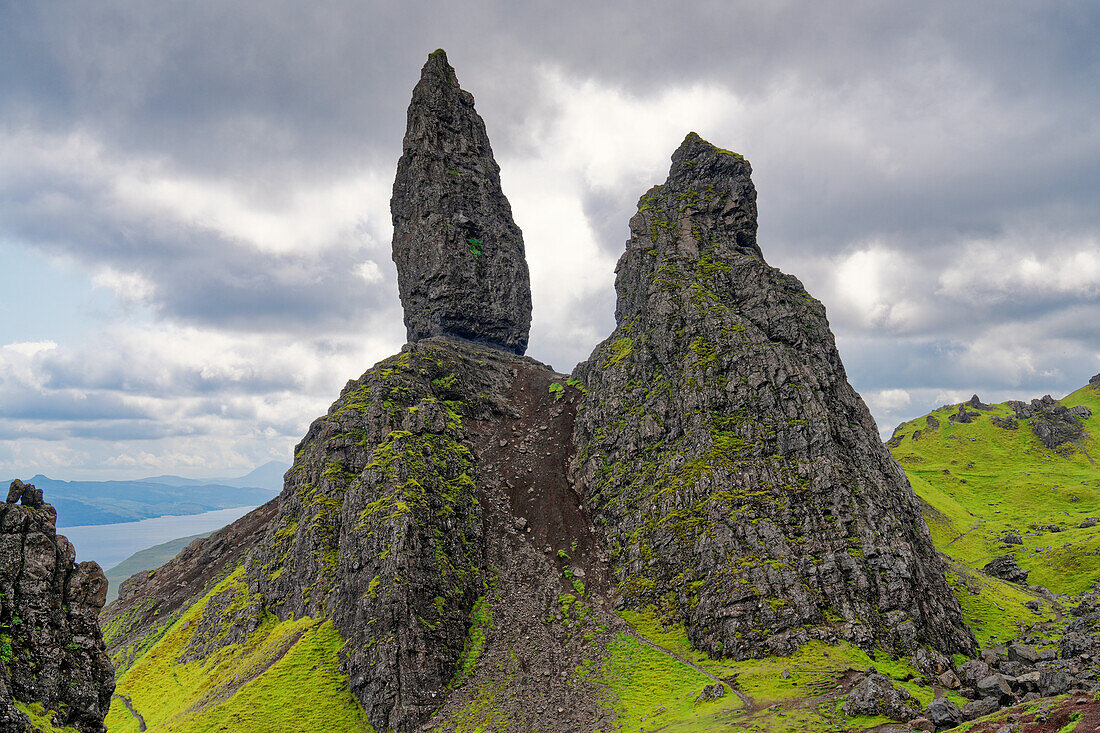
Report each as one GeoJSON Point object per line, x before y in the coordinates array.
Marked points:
{"type": "Point", "coordinates": [30, 348]}
{"type": "Point", "coordinates": [369, 271]}
{"type": "Point", "coordinates": [888, 400]}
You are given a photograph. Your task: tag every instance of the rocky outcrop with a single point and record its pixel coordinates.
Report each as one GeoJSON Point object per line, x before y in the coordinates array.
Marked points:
{"type": "Point", "coordinates": [737, 476]}
{"type": "Point", "coordinates": [1005, 567]}
{"type": "Point", "coordinates": [460, 261]}
{"type": "Point", "coordinates": [963, 415]}
{"type": "Point", "coordinates": [977, 404]}
{"type": "Point", "coordinates": [1094, 382]}
{"type": "Point", "coordinates": [1053, 423]}
{"type": "Point", "coordinates": [51, 649]}
{"type": "Point", "coordinates": [876, 694]}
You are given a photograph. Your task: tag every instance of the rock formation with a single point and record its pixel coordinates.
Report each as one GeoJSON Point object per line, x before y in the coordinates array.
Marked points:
{"type": "Point", "coordinates": [461, 268]}
{"type": "Point", "coordinates": [1053, 423]}
{"type": "Point", "coordinates": [736, 480]}
{"type": "Point", "coordinates": [1005, 567]}
{"type": "Point", "coordinates": [736, 475]}
{"type": "Point", "coordinates": [51, 649]}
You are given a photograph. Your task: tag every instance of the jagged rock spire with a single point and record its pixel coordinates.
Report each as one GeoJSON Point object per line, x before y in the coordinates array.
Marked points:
{"type": "Point", "coordinates": [461, 268]}
{"type": "Point", "coordinates": [740, 479]}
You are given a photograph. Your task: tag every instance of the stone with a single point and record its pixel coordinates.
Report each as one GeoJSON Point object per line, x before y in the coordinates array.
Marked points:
{"type": "Point", "coordinates": [922, 724]}
{"type": "Point", "coordinates": [712, 692]}
{"type": "Point", "coordinates": [718, 422]}
{"type": "Point", "coordinates": [944, 714]}
{"type": "Point", "coordinates": [1006, 423]}
{"type": "Point", "coordinates": [931, 424]}
{"type": "Point", "coordinates": [461, 267]}
{"type": "Point", "coordinates": [963, 415]}
{"type": "Point", "coordinates": [875, 694]}
{"type": "Point", "coordinates": [978, 708]}
{"type": "Point", "coordinates": [949, 679]}
{"type": "Point", "coordinates": [1094, 382]}
{"type": "Point", "coordinates": [1051, 421]}
{"type": "Point", "coordinates": [973, 670]}
{"type": "Point", "coordinates": [1006, 568]}
{"type": "Point", "coordinates": [1089, 522]}
{"type": "Point", "coordinates": [55, 654]}
{"type": "Point", "coordinates": [1012, 537]}
{"type": "Point", "coordinates": [978, 404]}
{"type": "Point", "coordinates": [995, 685]}
{"type": "Point", "coordinates": [1054, 682]}
{"type": "Point", "coordinates": [1018, 652]}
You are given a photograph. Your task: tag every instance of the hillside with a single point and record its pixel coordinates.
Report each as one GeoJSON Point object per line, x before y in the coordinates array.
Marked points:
{"type": "Point", "coordinates": [82, 503]}
{"type": "Point", "coordinates": [698, 528]}
{"type": "Point", "coordinates": [993, 487]}
{"type": "Point", "coordinates": [147, 559]}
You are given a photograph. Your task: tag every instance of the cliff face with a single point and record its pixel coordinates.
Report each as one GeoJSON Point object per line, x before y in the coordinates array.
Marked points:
{"type": "Point", "coordinates": [737, 476]}
{"type": "Point", "coordinates": [51, 648]}
{"type": "Point", "coordinates": [461, 268]}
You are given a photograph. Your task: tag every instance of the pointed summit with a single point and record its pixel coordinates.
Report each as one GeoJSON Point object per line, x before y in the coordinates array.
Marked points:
{"type": "Point", "coordinates": [461, 268]}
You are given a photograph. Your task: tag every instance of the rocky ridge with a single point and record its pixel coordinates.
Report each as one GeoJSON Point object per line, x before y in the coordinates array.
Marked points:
{"type": "Point", "coordinates": [51, 650]}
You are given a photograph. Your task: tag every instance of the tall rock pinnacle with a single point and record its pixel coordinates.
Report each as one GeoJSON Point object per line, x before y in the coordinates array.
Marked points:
{"type": "Point", "coordinates": [461, 268]}
{"type": "Point", "coordinates": [740, 480]}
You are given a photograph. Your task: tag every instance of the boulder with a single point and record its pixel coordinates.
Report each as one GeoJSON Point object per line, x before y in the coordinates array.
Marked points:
{"type": "Point", "coordinates": [1006, 568]}
{"type": "Point", "coordinates": [875, 694]}
{"type": "Point", "coordinates": [944, 714]}
{"type": "Point", "coordinates": [978, 708]}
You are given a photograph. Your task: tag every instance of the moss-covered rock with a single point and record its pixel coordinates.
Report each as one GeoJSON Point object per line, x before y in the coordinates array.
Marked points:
{"type": "Point", "coordinates": [737, 476]}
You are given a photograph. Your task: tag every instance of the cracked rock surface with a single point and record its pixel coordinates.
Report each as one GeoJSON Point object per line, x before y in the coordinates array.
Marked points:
{"type": "Point", "coordinates": [50, 643]}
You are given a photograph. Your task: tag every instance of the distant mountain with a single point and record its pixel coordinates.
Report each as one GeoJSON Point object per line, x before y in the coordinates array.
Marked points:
{"type": "Point", "coordinates": [267, 476]}
{"type": "Point", "coordinates": [109, 502]}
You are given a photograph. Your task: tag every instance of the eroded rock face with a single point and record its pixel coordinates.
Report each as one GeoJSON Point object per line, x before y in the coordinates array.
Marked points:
{"type": "Point", "coordinates": [461, 268]}
{"type": "Point", "coordinates": [50, 643]}
{"type": "Point", "coordinates": [739, 479]}
{"type": "Point", "coordinates": [1053, 423]}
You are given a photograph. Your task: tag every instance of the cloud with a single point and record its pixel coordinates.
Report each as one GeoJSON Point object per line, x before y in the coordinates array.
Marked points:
{"type": "Point", "coordinates": [221, 174]}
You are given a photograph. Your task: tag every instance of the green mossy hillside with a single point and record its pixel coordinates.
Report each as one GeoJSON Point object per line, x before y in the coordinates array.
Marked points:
{"type": "Point", "coordinates": [41, 719]}
{"type": "Point", "coordinates": [286, 677]}
{"type": "Point", "coordinates": [653, 678]}
{"type": "Point", "coordinates": [980, 481]}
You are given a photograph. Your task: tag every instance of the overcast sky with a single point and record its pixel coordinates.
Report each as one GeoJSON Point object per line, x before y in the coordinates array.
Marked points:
{"type": "Point", "coordinates": [194, 196]}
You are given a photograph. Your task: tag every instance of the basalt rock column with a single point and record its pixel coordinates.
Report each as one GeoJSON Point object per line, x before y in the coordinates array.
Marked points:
{"type": "Point", "coordinates": [461, 269]}
{"type": "Point", "coordinates": [738, 478]}
{"type": "Point", "coordinates": [51, 648]}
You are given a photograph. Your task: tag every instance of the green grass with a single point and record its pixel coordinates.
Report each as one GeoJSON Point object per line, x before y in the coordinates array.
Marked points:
{"type": "Point", "coordinates": [286, 677]}
{"type": "Point", "coordinates": [994, 609]}
{"type": "Point", "coordinates": [979, 481]}
{"type": "Point", "coordinates": [653, 691]}
{"type": "Point", "coordinates": [40, 718]}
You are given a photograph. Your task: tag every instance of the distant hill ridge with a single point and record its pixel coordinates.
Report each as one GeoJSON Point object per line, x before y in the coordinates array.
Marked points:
{"type": "Point", "coordinates": [109, 502]}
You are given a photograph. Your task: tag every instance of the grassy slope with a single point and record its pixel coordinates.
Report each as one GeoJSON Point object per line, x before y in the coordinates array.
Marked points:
{"type": "Point", "coordinates": [979, 481]}
{"type": "Point", "coordinates": [286, 677]}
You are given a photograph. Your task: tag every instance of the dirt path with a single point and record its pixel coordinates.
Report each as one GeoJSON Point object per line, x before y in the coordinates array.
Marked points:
{"type": "Point", "coordinates": [973, 527]}
{"type": "Point", "coordinates": [130, 706]}
{"type": "Point", "coordinates": [750, 704]}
